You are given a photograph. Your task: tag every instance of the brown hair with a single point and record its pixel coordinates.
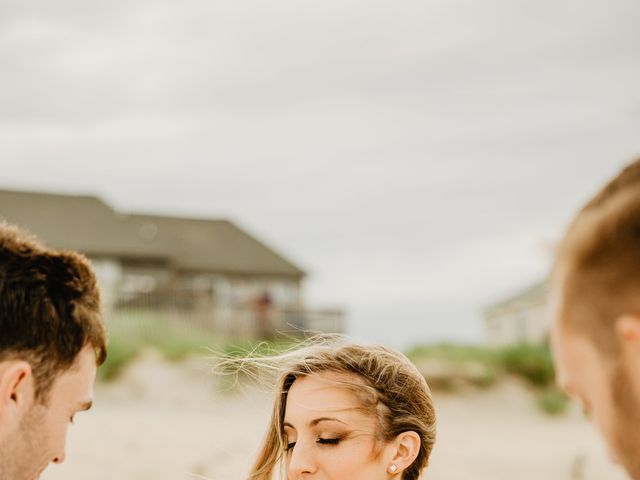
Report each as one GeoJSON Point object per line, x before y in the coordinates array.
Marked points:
{"type": "Point", "coordinates": [597, 264]}
{"type": "Point", "coordinates": [49, 307]}
{"type": "Point", "coordinates": [390, 387]}
{"type": "Point", "coordinates": [628, 177]}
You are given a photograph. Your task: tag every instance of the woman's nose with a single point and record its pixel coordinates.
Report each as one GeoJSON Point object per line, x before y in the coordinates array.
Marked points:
{"type": "Point", "coordinates": [301, 461]}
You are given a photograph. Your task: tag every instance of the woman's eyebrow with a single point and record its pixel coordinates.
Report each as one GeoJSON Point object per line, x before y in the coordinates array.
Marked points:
{"type": "Point", "coordinates": [316, 421]}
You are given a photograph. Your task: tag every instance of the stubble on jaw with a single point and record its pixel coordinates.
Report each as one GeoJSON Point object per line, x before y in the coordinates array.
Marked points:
{"type": "Point", "coordinates": [627, 421]}
{"type": "Point", "coordinates": [21, 456]}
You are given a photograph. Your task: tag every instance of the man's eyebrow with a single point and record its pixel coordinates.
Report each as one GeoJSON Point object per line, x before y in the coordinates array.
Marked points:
{"type": "Point", "coordinates": [84, 406]}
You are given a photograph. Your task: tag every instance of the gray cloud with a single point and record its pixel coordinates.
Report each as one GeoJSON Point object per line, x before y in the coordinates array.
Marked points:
{"type": "Point", "coordinates": [415, 156]}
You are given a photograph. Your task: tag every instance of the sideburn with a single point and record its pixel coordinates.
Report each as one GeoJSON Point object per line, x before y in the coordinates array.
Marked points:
{"type": "Point", "coordinates": [627, 420]}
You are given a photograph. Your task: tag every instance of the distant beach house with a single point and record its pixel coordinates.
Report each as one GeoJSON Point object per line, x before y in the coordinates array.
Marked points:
{"type": "Point", "coordinates": [209, 271]}
{"type": "Point", "coordinates": [520, 318]}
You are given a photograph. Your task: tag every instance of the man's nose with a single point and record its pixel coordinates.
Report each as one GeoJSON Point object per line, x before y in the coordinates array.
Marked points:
{"type": "Point", "coordinates": [301, 461]}
{"type": "Point", "coordinates": [59, 458]}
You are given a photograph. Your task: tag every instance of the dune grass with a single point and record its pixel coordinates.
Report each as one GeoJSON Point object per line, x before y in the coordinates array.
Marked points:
{"type": "Point", "coordinates": [175, 339]}
{"type": "Point", "coordinates": [531, 363]}
{"type": "Point", "coordinates": [131, 333]}
{"type": "Point", "coordinates": [478, 366]}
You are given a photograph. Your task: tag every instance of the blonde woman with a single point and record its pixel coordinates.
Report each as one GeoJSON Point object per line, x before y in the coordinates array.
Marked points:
{"type": "Point", "coordinates": [348, 412]}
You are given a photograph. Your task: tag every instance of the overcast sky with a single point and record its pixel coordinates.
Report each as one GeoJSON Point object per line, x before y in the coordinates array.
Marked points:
{"type": "Point", "coordinates": [417, 157]}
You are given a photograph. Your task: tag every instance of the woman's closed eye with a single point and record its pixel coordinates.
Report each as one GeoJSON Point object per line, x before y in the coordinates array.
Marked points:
{"type": "Point", "coordinates": [320, 440]}
{"type": "Point", "coordinates": [328, 441]}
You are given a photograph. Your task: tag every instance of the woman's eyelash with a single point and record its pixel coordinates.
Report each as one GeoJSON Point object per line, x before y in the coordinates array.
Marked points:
{"type": "Point", "coordinates": [329, 441]}
{"type": "Point", "coordinates": [321, 441]}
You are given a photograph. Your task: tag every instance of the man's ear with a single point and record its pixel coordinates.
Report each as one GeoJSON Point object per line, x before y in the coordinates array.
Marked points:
{"type": "Point", "coordinates": [17, 390]}
{"type": "Point", "coordinates": [628, 332]}
{"type": "Point", "coordinates": [407, 447]}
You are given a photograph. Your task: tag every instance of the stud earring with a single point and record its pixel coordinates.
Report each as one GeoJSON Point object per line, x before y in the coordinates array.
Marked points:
{"type": "Point", "coordinates": [393, 468]}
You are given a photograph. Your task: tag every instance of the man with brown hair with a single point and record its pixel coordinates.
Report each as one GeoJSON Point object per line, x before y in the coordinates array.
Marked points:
{"type": "Point", "coordinates": [596, 300]}
{"type": "Point", "coordinates": [51, 341]}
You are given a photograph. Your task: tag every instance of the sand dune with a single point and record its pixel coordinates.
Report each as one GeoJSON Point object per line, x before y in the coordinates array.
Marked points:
{"type": "Point", "coordinates": [169, 422]}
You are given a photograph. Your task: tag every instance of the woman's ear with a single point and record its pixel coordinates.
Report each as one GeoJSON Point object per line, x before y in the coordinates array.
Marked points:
{"type": "Point", "coordinates": [407, 447]}
{"type": "Point", "coordinates": [17, 390]}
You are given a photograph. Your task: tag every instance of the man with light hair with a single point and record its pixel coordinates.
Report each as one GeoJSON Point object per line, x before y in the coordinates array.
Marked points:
{"type": "Point", "coordinates": [596, 303]}
{"type": "Point", "coordinates": [52, 339]}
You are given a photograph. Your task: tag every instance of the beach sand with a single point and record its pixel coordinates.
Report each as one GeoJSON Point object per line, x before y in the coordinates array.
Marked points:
{"type": "Point", "coordinates": [165, 421]}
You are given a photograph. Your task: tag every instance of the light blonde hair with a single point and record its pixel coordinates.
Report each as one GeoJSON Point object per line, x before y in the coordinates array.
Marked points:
{"type": "Point", "coordinates": [389, 386]}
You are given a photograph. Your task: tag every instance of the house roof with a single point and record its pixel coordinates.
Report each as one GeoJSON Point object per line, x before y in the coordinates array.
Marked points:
{"type": "Point", "coordinates": [89, 225]}
{"type": "Point", "coordinates": [536, 294]}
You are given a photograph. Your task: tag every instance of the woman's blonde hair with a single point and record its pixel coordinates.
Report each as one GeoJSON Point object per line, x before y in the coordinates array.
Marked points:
{"type": "Point", "coordinates": [389, 386]}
